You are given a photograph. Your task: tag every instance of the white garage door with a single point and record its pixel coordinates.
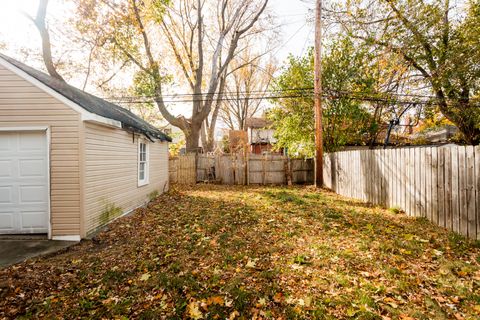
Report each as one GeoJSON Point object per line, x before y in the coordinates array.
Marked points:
{"type": "Point", "coordinates": [23, 182]}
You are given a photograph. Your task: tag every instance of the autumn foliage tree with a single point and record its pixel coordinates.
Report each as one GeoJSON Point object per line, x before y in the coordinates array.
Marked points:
{"type": "Point", "coordinates": [439, 40]}
{"type": "Point", "coordinates": [201, 38]}
{"type": "Point", "coordinates": [346, 69]}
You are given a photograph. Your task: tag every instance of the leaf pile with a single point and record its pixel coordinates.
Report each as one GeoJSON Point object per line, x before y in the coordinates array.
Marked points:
{"type": "Point", "coordinates": [219, 252]}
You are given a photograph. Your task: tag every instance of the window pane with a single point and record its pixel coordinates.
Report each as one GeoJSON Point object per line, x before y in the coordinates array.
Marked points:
{"type": "Point", "coordinates": [142, 162]}
{"type": "Point", "coordinates": [141, 173]}
{"type": "Point", "coordinates": [143, 152]}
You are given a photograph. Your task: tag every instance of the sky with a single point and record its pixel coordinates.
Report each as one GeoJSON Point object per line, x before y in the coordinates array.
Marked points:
{"type": "Point", "coordinates": [296, 35]}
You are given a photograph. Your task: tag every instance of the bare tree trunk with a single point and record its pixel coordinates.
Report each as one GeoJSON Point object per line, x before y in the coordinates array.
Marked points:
{"type": "Point", "coordinates": [204, 136]}
{"type": "Point", "coordinates": [210, 128]}
{"type": "Point", "coordinates": [41, 26]}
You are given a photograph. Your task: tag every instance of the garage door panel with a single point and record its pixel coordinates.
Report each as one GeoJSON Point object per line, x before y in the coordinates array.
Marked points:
{"type": "Point", "coordinates": [6, 168]}
{"type": "Point", "coordinates": [7, 141]}
{"type": "Point", "coordinates": [33, 220]}
{"type": "Point", "coordinates": [6, 194]}
{"type": "Point", "coordinates": [7, 222]}
{"type": "Point", "coordinates": [23, 182]}
{"type": "Point", "coordinates": [31, 168]}
{"type": "Point", "coordinates": [32, 194]}
{"type": "Point", "coordinates": [31, 141]}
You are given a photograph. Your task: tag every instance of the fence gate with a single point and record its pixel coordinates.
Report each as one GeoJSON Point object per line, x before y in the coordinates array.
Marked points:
{"type": "Point", "coordinates": [182, 170]}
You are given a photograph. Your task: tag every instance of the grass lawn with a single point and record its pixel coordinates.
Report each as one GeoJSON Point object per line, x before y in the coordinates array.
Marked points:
{"type": "Point", "coordinates": [218, 252]}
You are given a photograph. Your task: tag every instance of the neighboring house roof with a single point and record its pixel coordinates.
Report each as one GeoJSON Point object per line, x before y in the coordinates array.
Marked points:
{"type": "Point", "coordinates": [257, 123]}
{"type": "Point", "coordinates": [92, 103]}
{"type": "Point", "coordinates": [438, 135]}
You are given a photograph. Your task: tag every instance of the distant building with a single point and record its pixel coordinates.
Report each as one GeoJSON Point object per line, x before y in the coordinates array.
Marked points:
{"type": "Point", "coordinates": [261, 136]}
{"type": "Point", "coordinates": [439, 135]}
{"type": "Point", "coordinates": [238, 140]}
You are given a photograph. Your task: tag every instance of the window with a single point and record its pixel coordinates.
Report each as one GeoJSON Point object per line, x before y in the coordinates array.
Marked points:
{"type": "Point", "coordinates": [142, 163]}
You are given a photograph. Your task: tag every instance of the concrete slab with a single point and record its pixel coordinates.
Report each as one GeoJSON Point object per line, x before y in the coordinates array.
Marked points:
{"type": "Point", "coordinates": [15, 251]}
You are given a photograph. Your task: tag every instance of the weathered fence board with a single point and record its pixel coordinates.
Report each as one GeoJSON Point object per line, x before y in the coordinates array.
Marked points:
{"type": "Point", "coordinates": [448, 189]}
{"type": "Point", "coordinates": [237, 169]}
{"type": "Point", "coordinates": [477, 188]}
{"type": "Point", "coordinates": [462, 190]}
{"type": "Point", "coordinates": [434, 185]}
{"type": "Point", "coordinates": [470, 191]}
{"type": "Point", "coordinates": [441, 188]}
{"type": "Point", "coordinates": [455, 189]}
{"type": "Point", "coordinates": [183, 169]}
{"type": "Point", "coordinates": [439, 183]}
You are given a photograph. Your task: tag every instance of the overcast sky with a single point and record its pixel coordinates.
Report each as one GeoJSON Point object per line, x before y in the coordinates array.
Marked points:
{"type": "Point", "coordinates": [298, 33]}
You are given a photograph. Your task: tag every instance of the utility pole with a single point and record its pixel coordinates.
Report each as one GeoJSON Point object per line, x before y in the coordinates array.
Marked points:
{"type": "Point", "coordinates": [318, 97]}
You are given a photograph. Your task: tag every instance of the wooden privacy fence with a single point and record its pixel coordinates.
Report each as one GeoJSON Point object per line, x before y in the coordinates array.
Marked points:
{"type": "Point", "coordinates": [439, 183]}
{"type": "Point", "coordinates": [182, 169]}
{"type": "Point", "coordinates": [233, 169]}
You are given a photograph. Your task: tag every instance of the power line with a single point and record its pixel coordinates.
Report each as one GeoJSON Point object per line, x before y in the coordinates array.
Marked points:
{"type": "Point", "coordinates": [289, 93]}
{"type": "Point", "coordinates": [206, 94]}
{"type": "Point", "coordinates": [397, 99]}
{"type": "Point", "coordinates": [289, 39]}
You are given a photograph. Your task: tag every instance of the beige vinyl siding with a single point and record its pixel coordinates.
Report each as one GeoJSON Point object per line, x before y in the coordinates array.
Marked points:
{"type": "Point", "coordinates": [111, 172]}
{"type": "Point", "coordinates": [21, 105]}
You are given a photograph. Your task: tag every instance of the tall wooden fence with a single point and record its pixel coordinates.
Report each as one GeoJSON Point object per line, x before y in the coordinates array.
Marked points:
{"type": "Point", "coordinates": [439, 183]}
{"type": "Point", "coordinates": [232, 169]}
{"type": "Point", "coordinates": [182, 169]}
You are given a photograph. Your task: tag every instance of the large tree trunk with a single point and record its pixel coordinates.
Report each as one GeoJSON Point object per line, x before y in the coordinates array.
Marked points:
{"type": "Point", "coordinates": [468, 126]}
{"type": "Point", "coordinates": [203, 136]}
{"type": "Point", "coordinates": [192, 136]}
{"type": "Point", "coordinates": [462, 116]}
{"type": "Point", "coordinates": [210, 141]}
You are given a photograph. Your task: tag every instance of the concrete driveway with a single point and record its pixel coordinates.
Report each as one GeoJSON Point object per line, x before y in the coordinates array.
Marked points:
{"type": "Point", "coordinates": [13, 251]}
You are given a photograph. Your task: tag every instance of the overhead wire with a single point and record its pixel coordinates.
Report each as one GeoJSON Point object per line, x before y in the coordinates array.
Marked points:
{"type": "Point", "coordinates": [297, 93]}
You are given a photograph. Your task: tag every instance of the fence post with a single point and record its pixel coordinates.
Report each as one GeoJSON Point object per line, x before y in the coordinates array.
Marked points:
{"type": "Point", "coordinates": [263, 169]}
{"type": "Point", "coordinates": [234, 168]}
{"type": "Point", "coordinates": [287, 168]}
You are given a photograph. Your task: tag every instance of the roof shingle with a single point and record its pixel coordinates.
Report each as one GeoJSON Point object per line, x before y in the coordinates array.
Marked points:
{"type": "Point", "coordinates": [92, 103]}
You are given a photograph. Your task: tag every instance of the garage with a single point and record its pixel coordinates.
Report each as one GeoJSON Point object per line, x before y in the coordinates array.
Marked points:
{"type": "Point", "coordinates": [24, 182]}
{"type": "Point", "coordinates": [71, 162]}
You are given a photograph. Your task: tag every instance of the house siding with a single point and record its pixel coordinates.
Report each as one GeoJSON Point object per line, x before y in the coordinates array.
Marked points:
{"type": "Point", "coordinates": [111, 170]}
{"type": "Point", "coordinates": [21, 105]}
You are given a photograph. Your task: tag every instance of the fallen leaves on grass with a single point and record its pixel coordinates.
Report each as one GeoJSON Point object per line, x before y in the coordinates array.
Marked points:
{"type": "Point", "coordinates": [218, 252]}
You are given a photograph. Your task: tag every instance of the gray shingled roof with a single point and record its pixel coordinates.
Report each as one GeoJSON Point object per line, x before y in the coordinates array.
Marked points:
{"type": "Point", "coordinates": [92, 103]}
{"type": "Point", "coordinates": [257, 123]}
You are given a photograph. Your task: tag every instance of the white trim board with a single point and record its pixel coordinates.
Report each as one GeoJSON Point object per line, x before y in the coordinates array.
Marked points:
{"type": "Point", "coordinates": [35, 128]}
{"type": "Point", "coordinates": [49, 182]}
{"type": "Point", "coordinates": [45, 129]}
{"type": "Point", "coordinates": [86, 115]}
{"type": "Point", "coordinates": [76, 238]}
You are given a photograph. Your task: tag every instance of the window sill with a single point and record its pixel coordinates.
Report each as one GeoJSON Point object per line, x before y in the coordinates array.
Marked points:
{"type": "Point", "coordinates": [142, 183]}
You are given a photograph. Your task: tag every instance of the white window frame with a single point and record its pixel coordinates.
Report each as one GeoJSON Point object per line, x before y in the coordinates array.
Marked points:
{"type": "Point", "coordinates": [145, 180]}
